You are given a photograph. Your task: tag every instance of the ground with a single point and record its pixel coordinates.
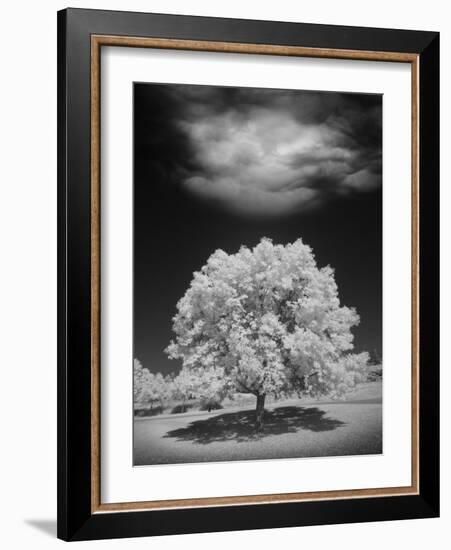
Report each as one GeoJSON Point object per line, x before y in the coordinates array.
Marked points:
{"type": "Point", "coordinates": [292, 428]}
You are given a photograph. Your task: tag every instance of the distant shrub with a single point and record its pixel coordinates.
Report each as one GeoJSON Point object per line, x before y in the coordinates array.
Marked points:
{"type": "Point", "coordinates": [149, 412]}
{"type": "Point", "coordinates": [210, 405]}
{"type": "Point", "coordinates": [178, 409]}
{"type": "Point", "coordinates": [375, 374]}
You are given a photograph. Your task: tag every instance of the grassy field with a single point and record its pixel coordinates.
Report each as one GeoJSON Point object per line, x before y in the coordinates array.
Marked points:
{"type": "Point", "coordinates": [293, 428]}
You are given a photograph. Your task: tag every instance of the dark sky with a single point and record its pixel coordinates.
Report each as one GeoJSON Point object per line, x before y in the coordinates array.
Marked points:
{"type": "Point", "coordinates": [219, 167]}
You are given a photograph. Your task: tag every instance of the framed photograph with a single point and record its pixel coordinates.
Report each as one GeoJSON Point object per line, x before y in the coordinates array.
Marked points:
{"type": "Point", "coordinates": [248, 274]}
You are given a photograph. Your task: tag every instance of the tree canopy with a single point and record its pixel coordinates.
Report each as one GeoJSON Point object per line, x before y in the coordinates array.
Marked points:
{"type": "Point", "coordinates": [269, 321]}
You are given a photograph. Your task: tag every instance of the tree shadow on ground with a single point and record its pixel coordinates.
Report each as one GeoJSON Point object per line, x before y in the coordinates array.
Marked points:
{"type": "Point", "coordinates": [240, 426]}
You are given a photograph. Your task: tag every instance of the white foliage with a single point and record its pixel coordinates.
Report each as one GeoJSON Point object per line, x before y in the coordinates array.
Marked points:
{"type": "Point", "coordinates": [149, 387]}
{"type": "Point", "coordinates": [266, 320]}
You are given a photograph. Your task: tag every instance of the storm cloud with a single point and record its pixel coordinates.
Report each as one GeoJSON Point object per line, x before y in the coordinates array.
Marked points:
{"type": "Point", "coordinates": [264, 152]}
{"type": "Point", "coordinates": [219, 167]}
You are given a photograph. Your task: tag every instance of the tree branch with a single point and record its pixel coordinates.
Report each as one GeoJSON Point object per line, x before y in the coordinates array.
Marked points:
{"type": "Point", "coordinates": [247, 390]}
{"type": "Point", "coordinates": [313, 373]}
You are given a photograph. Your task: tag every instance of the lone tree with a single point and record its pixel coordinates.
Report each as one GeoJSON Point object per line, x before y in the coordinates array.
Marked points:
{"type": "Point", "coordinates": [271, 320]}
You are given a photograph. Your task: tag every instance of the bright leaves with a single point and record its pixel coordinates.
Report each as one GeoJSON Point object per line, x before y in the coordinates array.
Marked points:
{"type": "Point", "coordinates": [265, 321]}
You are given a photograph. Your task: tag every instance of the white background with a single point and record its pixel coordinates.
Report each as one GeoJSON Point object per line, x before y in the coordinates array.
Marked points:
{"type": "Point", "coordinates": [28, 273]}
{"type": "Point", "coordinates": [122, 483]}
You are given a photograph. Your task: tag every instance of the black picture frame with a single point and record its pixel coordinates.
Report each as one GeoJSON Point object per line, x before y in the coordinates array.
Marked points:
{"type": "Point", "coordinates": [76, 519]}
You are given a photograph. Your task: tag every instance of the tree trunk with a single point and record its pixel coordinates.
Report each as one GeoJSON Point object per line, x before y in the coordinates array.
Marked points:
{"type": "Point", "coordinates": [259, 412]}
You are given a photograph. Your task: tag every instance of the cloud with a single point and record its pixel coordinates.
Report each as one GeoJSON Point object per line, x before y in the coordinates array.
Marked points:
{"type": "Point", "coordinates": [269, 152]}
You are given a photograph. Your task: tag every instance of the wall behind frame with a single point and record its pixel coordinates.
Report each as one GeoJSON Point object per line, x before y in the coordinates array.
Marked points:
{"type": "Point", "coordinates": [28, 273]}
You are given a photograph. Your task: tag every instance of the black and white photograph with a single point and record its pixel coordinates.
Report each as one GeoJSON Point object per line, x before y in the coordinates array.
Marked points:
{"type": "Point", "coordinates": [225, 275]}
{"type": "Point", "coordinates": [257, 274]}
